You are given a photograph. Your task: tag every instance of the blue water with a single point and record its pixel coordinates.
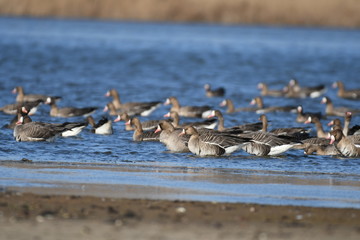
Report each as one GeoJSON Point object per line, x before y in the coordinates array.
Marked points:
{"type": "Point", "coordinates": [81, 59]}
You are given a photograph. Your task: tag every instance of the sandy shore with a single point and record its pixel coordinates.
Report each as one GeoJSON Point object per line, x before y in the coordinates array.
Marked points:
{"type": "Point", "coordinates": [46, 216]}
{"type": "Point", "coordinates": [335, 13]}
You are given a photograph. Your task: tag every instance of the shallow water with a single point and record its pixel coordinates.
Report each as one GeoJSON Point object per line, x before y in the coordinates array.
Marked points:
{"type": "Point", "coordinates": [81, 59]}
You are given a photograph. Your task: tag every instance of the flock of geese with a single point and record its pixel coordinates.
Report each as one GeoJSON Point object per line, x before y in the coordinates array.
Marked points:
{"type": "Point", "coordinates": [200, 137]}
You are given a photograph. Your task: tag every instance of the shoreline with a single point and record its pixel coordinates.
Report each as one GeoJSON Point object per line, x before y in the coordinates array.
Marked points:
{"type": "Point", "coordinates": [27, 215]}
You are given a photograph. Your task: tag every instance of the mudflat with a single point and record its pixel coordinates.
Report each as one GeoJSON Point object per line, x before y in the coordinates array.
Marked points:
{"type": "Point", "coordinates": [25, 215]}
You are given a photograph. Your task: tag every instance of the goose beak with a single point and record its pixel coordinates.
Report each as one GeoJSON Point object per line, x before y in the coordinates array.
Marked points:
{"type": "Point", "coordinates": [167, 115]}
{"type": "Point", "coordinates": [182, 132]}
{"type": "Point", "coordinates": [117, 119]}
{"type": "Point", "coordinates": [332, 139]}
{"type": "Point", "coordinates": [167, 102]}
{"type": "Point", "coordinates": [128, 122]}
{"type": "Point", "coordinates": [106, 109]}
{"type": "Point", "coordinates": [158, 129]}
{"type": "Point", "coordinates": [107, 94]}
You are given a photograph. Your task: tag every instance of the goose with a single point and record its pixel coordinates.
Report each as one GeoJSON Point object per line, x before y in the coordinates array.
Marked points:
{"type": "Point", "coordinates": [103, 126]}
{"type": "Point", "coordinates": [320, 133]}
{"type": "Point", "coordinates": [259, 101]}
{"type": "Point", "coordinates": [21, 110]}
{"type": "Point", "coordinates": [348, 94]}
{"type": "Point", "coordinates": [265, 91]}
{"type": "Point", "coordinates": [267, 144]}
{"type": "Point", "coordinates": [298, 133]}
{"type": "Point", "coordinates": [141, 135]}
{"type": "Point", "coordinates": [132, 108]}
{"type": "Point", "coordinates": [248, 127]}
{"type": "Point", "coordinates": [68, 111]}
{"type": "Point", "coordinates": [294, 90]}
{"type": "Point", "coordinates": [169, 135]}
{"type": "Point", "coordinates": [303, 116]}
{"type": "Point", "coordinates": [324, 150]}
{"type": "Point", "coordinates": [338, 111]}
{"type": "Point", "coordinates": [187, 111]}
{"type": "Point", "coordinates": [146, 125]}
{"type": "Point", "coordinates": [312, 141]}
{"type": "Point", "coordinates": [208, 123]}
{"type": "Point", "coordinates": [231, 108]}
{"type": "Point", "coordinates": [343, 144]}
{"type": "Point", "coordinates": [12, 108]}
{"type": "Point", "coordinates": [209, 143]}
{"type": "Point", "coordinates": [28, 131]}
{"type": "Point", "coordinates": [219, 92]}
{"type": "Point", "coordinates": [21, 97]}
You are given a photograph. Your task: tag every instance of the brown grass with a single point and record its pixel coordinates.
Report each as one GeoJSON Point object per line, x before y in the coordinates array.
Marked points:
{"type": "Point", "coordinates": [335, 13]}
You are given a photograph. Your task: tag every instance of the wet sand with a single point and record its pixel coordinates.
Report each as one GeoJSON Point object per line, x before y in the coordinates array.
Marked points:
{"type": "Point", "coordinates": [69, 216]}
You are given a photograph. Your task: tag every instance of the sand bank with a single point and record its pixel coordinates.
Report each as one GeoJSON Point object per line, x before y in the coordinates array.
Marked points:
{"type": "Point", "coordinates": [47, 216]}
{"type": "Point", "coordinates": [334, 13]}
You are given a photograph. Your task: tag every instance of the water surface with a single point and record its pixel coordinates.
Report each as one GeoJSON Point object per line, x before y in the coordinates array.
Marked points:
{"type": "Point", "coordinates": [81, 59]}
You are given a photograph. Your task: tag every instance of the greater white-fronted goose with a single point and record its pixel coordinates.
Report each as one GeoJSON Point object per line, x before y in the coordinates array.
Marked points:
{"type": "Point", "coordinates": [231, 108]}
{"type": "Point", "coordinates": [297, 133]}
{"type": "Point", "coordinates": [324, 150]}
{"type": "Point", "coordinates": [259, 101]}
{"type": "Point", "coordinates": [320, 133]}
{"type": "Point", "coordinates": [103, 126]}
{"type": "Point", "coordinates": [21, 111]}
{"type": "Point", "coordinates": [208, 123]}
{"type": "Point", "coordinates": [66, 112]}
{"type": "Point", "coordinates": [248, 127]}
{"type": "Point", "coordinates": [336, 111]}
{"type": "Point", "coordinates": [170, 136]}
{"type": "Point", "coordinates": [265, 91]}
{"type": "Point", "coordinates": [344, 145]}
{"type": "Point", "coordinates": [12, 108]}
{"type": "Point", "coordinates": [354, 130]}
{"type": "Point", "coordinates": [348, 94]}
{"type": "Point", "coordinates": [141, 135]}
{"type": "Point", "coordinates": [218, 92]}
{"type": "Point", "coordinates": [303, 116]}
{"type": "Point", "coordinates": [132, 108]}
{"type": "Point", "coordinates": [264, 143]}
{"type": "Point", "coordinates": [21, 97]}
{"type": "Point", "coordinates": [28, 131]}
{"type": "Point", "coordinates": [312, 141]}
{"type": "Point", "coordinates": [209, 143]}
{"type": "Point", "coordinates": [294, 90]}
{"type": "Point", "coordinates": [146, 125]}
{"type": "Point", "coordinates": [188, 111]}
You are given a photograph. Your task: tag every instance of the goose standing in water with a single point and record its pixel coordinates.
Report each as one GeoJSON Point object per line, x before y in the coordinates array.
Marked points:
{"type": "Point", "coordinates": [132, 108]}
{"type": "Point", "coordinates": [141, 135]}
{"type": "Point", "coordinates": [103, 126]}
{"type": "Point", "coordinates": [265, 91]}
{"type": "Point", "coordinates": [12, 108]}
{"type": "Point", "coordinates": [262, 109]}
{"type": "Point", "coordinates": [231, 108]}
{"type": "Point", "coordinates": [208, 143]}
{"type": "Point", "coordinates": [344, 145]}
{"type": "Point", "coordinates": [219, 92]}
{"type": "Point", "coordinates": [335, 111]}
{"type": "Point", "coordinates": [208, 123]}
{"type": "Point", "coordinates": [22, 97]}
{"type": "Point", "coordinates": [28, 131]}
{"type": "Point", "coordinates": [187, 111]}
{"type": "Point", "coordinates": [146, 125]}
{"type": "Point", "coordinates": [68, 111]}
{"type": "Point", "coordinates": [348, 94]}
{"type": "Point", "coordinates": [170, 136]}
{"type": "Point", "coordinates": [303, 116]}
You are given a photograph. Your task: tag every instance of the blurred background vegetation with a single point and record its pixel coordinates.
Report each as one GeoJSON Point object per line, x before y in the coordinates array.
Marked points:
{"type": "Point", "coordinates": [333, 13]}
